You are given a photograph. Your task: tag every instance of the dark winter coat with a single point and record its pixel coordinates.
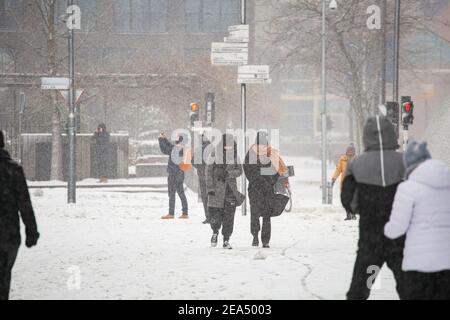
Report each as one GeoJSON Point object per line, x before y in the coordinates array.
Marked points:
{"type": "Point", "coordinates": [102, 149]}
{"type": "Point", "coordinates": [168, 148]}
{"type": "Point", "coordinates": [221, 188]}
{"type": "Point", "coordinates": [260, 187]}
{"type": "Point", "coordinates": [372, 180]}
{"type": "Point", "coordinates": [14, 198]}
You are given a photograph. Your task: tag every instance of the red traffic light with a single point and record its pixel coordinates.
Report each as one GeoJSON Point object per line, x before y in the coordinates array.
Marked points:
{"type": "Point", "coordinates": [407, 107]}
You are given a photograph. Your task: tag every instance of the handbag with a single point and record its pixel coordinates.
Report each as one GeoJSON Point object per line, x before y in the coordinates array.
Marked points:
{"type": "Point", "coordinates": [280, 197]}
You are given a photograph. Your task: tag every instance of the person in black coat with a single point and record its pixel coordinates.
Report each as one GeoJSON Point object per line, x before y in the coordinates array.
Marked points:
{"type": "Point", "coordinates": [200, 165]}
{"type": "Point", "coordinates": [14, 198]}
{"type": "Point", "coordinates": [101, 141]}
{"type": "Point", "coordinates": [222, 170]}
{"type": "Point", "coordinates": [370, 185]}
{"type": "Point", "coordinates": [262, 177]}
{"type": "Point", "coordinates": [175, 177]}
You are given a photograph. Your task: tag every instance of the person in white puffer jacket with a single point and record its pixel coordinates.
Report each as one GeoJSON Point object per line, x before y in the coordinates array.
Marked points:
{"type": "Point", "coordinates": [421, 210]}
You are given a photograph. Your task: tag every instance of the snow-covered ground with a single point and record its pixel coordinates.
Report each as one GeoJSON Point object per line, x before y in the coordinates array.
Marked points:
{"type": "Point", "coordinates": [113, 245]}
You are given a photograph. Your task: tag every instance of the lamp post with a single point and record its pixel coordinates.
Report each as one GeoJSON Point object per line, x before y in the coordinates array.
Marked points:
{"type": "Point", "coordinates": [71, 184]}
{"type": "Point", "coordinates": [323, 113]}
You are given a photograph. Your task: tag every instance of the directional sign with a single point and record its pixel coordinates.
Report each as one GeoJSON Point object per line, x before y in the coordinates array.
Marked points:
{"type": "Point", "coordinates": [255, 81]}
{"type": "Point", "coordinates": [236, 39]}
{"type": "Point", "coordinates": [254, 69]}
{"type": "Point", "coordinates": [54, 83]}
{"type": "Point", "coordinates": [229, 58]}
{"type": "Point", "coordinates": [239, 27]}
{"type": "Point", "coordinates": [222, 47]}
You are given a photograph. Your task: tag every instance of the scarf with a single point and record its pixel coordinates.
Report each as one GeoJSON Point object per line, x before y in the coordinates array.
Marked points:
{"type": "Point", "coordinates": [273, 155]}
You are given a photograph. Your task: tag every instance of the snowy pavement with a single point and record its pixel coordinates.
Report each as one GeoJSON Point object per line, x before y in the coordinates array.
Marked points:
{"type": "Point", "coordinates": [113, 245]}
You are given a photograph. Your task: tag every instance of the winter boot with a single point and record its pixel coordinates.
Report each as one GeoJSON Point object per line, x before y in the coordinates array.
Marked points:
{"type": "Point", "coordinates": [184, 216]}
{"type": "Point", "coordinates": [168, 217]}
{"type": "Point", "coordinates": [255, 242]}
{"type": "Point", "coordinates": [349, 216]}
{"type": "Point", "coordinates": [354, 217]}
{"type": "Point", "coordinates": [206, 221]}
{"type": "Point", "coordinates": [227, 245]}
{"type": "Point", "coordinates": [266, 246]}
{"type": "Point", "coordinates": [214, 240]}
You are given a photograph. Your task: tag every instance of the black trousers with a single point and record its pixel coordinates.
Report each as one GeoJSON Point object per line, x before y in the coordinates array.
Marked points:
{"type": "Point", "coordinates": [427, 286]}
{"type": "Point", "coordinates": [363, 276]}
{"type": "Point", "coordinates": [223, 217]}
{"type": "Point", "coordinates": [255, 227]}
{"type": "Point", "coordinates": [204, 195]}
{"type": "Point", "coordinates": [7, 258]}
{"type": "Point", "coordinates": [175, 185]}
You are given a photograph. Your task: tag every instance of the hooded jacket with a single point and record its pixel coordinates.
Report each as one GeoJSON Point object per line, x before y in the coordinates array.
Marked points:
{"type": "Point", "coordinates": [218, 189]}
{"type": "Point", "coordinates": [372, 180]}
{"type": "Point", "coordinates": [14, 198]}
{"type": "Point", "coordinates": [422, 210]}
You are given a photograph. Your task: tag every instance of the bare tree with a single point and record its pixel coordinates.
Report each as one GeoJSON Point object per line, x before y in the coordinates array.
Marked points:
{"type": "Point", "coordinates": [353, 51]}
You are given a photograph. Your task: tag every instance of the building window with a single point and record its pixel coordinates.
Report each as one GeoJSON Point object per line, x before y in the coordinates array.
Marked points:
{"type": "Point", "coordinates": [7, 63]}
{"type": "Point", "coordinates": [140, 16]}
{"type": "Point", "coordinates": [88, 13]}
{"type": "Point", "coordinates": [11, 14]}
{"type": "Point", "coordinates": [211, 15]}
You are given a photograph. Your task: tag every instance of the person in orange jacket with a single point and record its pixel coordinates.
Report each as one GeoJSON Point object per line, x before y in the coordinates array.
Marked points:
{"type": "Point", "coordinates": [341, 168]}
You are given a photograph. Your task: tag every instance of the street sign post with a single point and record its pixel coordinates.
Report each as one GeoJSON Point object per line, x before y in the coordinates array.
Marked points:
{"type": "Point", "coordinates": [227, 58]}
{"type": "Point", "coordinates": [254, 74]}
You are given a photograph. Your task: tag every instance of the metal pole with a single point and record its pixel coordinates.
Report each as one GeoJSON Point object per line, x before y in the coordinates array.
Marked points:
{"type": "Point", "coordinates": [396, 50]}
{"type": "Point", "coordinates": [244, 115]}
{"type": "Point", "coordinates": [71, 185]}
{"type": "Point", "coordinates": [383, 52]}
{"type": "Point", "coordinates": [324, 107]}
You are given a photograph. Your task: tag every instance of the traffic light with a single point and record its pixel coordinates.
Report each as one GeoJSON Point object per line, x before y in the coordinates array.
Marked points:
{"type": "Point", "coordinates": [393, 114]}
{"type": "Point", "coordinates": [210, 109]}
{"type": "Point", "coordinates": [194, 115]}
{"type": "Point", "coordinates": [407, 112]}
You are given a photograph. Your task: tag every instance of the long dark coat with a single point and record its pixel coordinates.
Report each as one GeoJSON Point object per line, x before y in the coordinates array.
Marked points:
{"type": "Point", "coordinates": [102, 152]}
{"type": "Point", "coordinates": [261, 186]}
{"type": "Point", "coordinates": [14, 198]}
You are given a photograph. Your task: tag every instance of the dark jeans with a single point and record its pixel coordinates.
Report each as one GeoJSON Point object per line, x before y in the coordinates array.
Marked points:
{"type": "Point", "coordinates": [204, 195]}
{"type": "Point", "coordinates": [427, 286]}
{"type": "Point", "coordinates": [255, 227]}
{"type": "Point", "coordinates": [363, 275]}
{"type": "Point", "coordinates": [175, 185]}
{"type": "Point", "coordinates": [7, 258]}
{"type": "Point", "coordinates": [223, 217]}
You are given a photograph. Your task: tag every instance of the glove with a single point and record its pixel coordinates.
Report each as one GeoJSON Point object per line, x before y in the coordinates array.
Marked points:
{"type": "Point", "coordinates": [333, 181]}
{"type": "Point", "coordinates": [220, 173]}
{"type": "Point", "coordinates": [211, 193]}
{"type": "Point", "coordinates": [32, 238]}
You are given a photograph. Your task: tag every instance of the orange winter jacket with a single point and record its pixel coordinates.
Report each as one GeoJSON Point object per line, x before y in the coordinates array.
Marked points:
{"type": "Point", "coordinates": [341, 168]}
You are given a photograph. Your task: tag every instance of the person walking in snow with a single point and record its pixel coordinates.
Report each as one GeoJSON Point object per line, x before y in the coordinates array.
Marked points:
{"type": "Point", "coordinates": [102, 147]}
{"type": "Point", "coordinates": [341, 168]}
{"type": "Point", "coordinates": [263, 167]}
{"type": "Point", "coordinates": [421, 210]}
{"type": "Point", "coordinates": [175, 177]}
{"type": "Point", "coordinates": [14, 198]}
{"type": "Point", "coordinates": [201, 172]}
{"type": "Point", "coordinates": [370, 184]}
{"type": "Point", "coordinates": [222, 170]}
